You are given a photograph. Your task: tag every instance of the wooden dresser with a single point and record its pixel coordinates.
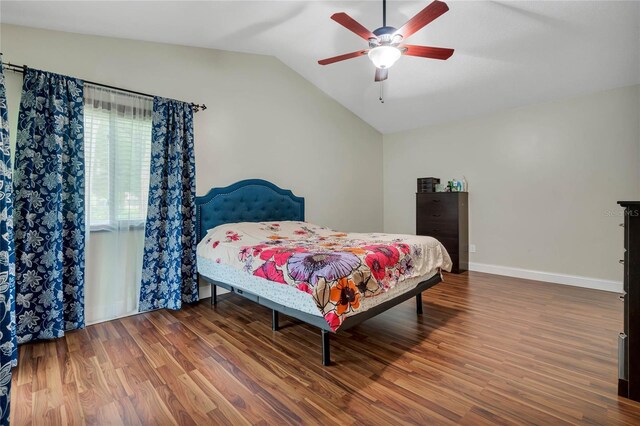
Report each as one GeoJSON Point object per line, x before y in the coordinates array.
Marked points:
{"type": "Point", "coordinates": [445, 217]}
{"type": "Point", "coordinates": [629, 339]}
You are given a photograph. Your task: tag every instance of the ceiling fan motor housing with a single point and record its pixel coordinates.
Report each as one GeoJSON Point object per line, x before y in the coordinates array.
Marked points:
{"type": "Point", "coordinates": [385, 31]}
{"type": "Point", "coordinates": [385, 36]}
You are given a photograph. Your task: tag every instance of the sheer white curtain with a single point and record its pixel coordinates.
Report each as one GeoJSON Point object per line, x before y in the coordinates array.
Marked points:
{"type": "Point", "coordinates": [117, 156]}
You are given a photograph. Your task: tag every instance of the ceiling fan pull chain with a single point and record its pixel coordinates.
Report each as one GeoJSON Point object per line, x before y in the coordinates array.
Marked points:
{"type": "Point", "coordinates": [381, 98]}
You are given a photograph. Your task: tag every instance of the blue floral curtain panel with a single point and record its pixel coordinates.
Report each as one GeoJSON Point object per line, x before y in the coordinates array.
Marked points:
{"type": "Point", "coordinates": [8, 345]}
{"type": "Point", "coordinates": [169, 275]}
{"type": "Point", "coordinates": [49, 207]}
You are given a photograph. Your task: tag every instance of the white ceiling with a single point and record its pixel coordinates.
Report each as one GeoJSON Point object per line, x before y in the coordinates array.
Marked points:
{"type": "Point", "coordinates": [508, 54]}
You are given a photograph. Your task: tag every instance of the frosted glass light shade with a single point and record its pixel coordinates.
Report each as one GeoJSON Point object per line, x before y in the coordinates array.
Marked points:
{"type": "Point", "coordinates": [384, 56]}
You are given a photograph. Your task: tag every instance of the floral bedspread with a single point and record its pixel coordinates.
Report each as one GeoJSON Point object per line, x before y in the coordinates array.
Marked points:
{"type": "Point", "coordinates": [337, 269]}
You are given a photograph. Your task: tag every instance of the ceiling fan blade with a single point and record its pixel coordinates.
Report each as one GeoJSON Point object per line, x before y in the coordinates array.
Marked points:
{"type": "Point", "coordinates": [428, 52]}
{"type": "Point", "coordinates": [352, 25]}
{"type": "Point", "coordinates": [342, 57]}
{"type": "Point", "coordinates": [381, 74]}
{"type": "Point", "coordinates": [425, 16]}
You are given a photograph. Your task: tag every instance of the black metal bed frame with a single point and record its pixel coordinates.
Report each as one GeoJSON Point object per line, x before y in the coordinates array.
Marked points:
{"type": "Point", "coordinates": [319, 321]}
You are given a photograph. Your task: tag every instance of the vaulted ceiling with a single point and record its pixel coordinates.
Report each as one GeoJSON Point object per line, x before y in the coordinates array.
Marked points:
{"type": "Point", "coordinates": [508, 54]}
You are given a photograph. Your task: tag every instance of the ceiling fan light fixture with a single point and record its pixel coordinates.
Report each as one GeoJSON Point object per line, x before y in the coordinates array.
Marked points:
{"type": "Point", "coordinates": [384, 56]}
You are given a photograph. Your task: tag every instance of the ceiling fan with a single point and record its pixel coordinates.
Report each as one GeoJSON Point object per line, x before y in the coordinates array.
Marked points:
{"type": "Point", "coordinates": [385, 43]}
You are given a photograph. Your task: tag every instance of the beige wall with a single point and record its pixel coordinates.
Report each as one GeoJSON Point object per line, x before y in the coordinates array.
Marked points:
{"type": "Point", "coordinates": [263, 121]}
{"type": "Point", "coordinates": [544, 181]}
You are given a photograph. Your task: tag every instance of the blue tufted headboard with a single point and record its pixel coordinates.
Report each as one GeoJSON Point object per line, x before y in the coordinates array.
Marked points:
{"type": "Point", "coordinates": [251, 200]}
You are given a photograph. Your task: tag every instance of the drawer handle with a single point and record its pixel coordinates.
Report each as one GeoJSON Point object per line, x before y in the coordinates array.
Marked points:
{"type": "Point", "coordinates": [239, 291]}
{"type": "Point", "coordinates": [621, 261]}
{"type": "Point", "coordinates": [436, 215]}
{"type": "Point", "coordinates": [436, 201]}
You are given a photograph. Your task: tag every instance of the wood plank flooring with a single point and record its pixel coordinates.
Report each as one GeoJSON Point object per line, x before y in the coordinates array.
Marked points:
{"type": "Point", "coordinates": [488, 350]}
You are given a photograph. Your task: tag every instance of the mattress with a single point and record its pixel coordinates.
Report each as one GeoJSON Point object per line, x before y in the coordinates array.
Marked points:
{"type": "Point", "coordinates": [317, 270]}
{"type": "Point", "coordinates": [287, 295]}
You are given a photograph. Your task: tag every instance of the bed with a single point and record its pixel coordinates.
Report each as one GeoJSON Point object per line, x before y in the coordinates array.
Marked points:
{"type": "Point", "coordinates": [254, 241]}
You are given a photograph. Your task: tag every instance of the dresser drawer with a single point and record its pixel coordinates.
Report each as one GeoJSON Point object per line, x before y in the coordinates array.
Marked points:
{"type": "Point", "coordinates": [625, 231]}
{"type": "Point", "coordinates": [437, 229]}
{"type": "Point", "coordinates": [631, 217]}
{"type": "Point", "coordinates": [626, 272]}
{"type": "Point", "coordinates": [437, 205]}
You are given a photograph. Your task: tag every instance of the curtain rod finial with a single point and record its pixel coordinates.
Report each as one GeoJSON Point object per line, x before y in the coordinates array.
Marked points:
{"type": "Point", "coordinates": [198, 107]}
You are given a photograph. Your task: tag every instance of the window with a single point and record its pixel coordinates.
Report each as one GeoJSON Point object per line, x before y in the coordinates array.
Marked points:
{"type": "Point", "coordinates": [117, 158]}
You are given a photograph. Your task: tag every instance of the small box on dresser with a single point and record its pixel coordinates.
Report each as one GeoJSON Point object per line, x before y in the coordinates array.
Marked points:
{"type": "Point", "coordinates": [427, 184]}
{"type": "Point", "coordinates": [445, 217]}
{"type": "Point", "coordinates": [629, 339]}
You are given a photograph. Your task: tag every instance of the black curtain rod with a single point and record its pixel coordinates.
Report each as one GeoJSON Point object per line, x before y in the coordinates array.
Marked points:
{"type": "Point", "coordinates": [23, 68]}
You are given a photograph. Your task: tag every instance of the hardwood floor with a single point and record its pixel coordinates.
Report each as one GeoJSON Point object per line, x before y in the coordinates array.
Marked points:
{"type": "Point", "coordinates": [488, 350]}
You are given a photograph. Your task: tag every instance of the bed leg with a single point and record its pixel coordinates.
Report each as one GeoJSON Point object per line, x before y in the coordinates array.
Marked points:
{"type": "Point", "coordinates": [275, 323]}
{"type": "Point", "coordinates": [419, 303]}
{"type": "Point", "coordinates": [214, 294]}
{"type": "Point", "coordinates": [326, 348]}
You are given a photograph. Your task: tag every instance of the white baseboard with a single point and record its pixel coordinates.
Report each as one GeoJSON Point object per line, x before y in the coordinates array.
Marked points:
{"type": "Point", "coordinates": [573, 280]}
{"type": "Point", "coordinates": [204, 291]}
{"type": "Point", "coordinates": [103, 313]}
{"type": "Point", "coordinates": [101, 320]}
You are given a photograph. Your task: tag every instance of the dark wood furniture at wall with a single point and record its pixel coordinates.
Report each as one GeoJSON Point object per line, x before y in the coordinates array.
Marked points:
{"type": "Point", "coordinates": [629, 340]}
{"type": "Point", "coordinates": [445, 217]}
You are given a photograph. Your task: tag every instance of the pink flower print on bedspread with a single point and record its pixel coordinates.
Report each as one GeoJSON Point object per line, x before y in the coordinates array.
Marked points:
{"type": "Point", "coordinates": [232, 236]}
{"type": "Point", "coordinates": [269, 271]}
